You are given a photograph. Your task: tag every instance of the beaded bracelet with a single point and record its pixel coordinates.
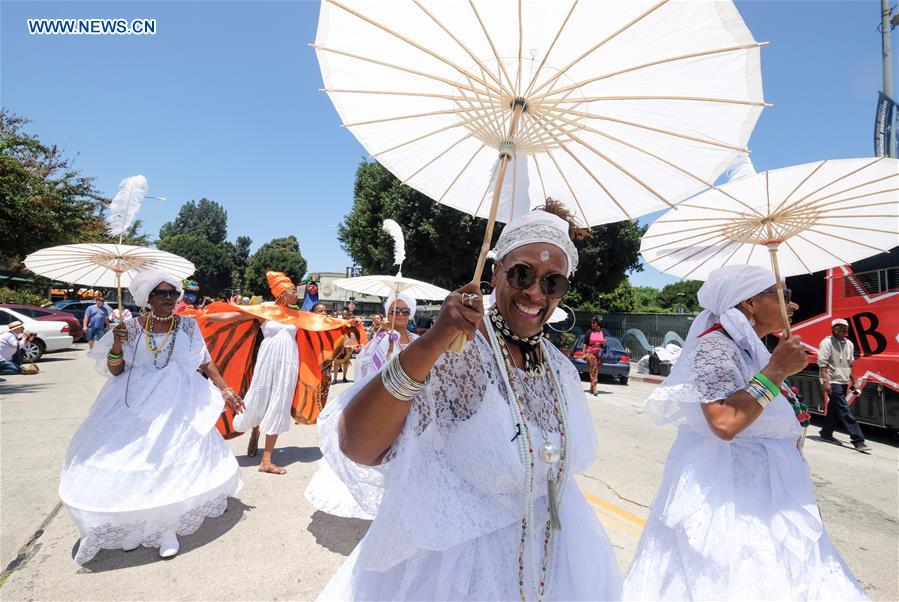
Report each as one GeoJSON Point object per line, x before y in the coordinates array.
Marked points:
{"type": "Point", "coordinates": [768, 383]}
{"type": "Point", "coordinates": [399, 384]}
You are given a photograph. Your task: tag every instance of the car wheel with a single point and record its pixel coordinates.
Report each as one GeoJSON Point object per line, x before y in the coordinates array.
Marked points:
{"type": "Point", "coordinates": [623, 379]}
{"type": "Point", "coordinates": [34, 350]}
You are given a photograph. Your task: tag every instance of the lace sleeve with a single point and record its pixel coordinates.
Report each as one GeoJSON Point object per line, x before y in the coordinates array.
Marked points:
{"type": "Point", "coordinates": [716, 366]}
{"type": "Point", "coordinates": [708, 370]}
{"type": "Point", "coordinates": [198, 354]}
{"type": "Point", "coordinates": [104, 345]}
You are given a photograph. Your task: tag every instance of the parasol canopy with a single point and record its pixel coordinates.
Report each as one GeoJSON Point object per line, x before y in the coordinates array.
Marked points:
{"type": "Point", "coordinates": [99, 264]}
{"type": "Point", "coordinates": [618, 108]}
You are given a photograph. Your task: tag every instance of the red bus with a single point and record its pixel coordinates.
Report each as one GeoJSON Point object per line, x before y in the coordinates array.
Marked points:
{"type": "Point", "coordinates": [866, 294]}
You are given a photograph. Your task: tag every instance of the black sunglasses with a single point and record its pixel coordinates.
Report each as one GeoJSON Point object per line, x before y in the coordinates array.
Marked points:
{"type": "Point", "coordinates": [163, 292]}
{"type": "Point", "coordinates": [403, 311]}
{"type": "Point", "coordinates": [788, 294]}
{"type": "Point", "coordinates": [523, 277]}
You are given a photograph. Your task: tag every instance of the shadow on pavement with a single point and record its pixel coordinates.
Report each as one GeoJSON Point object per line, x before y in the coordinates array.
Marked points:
{"type": "Point", "coordinates": [338, 534]}
{"type": "Point", "coordinates": [283, 456]}
{"type": "Point", "coordinates": [18, 383]}
{"type": "Point", "coordinates": [212, 528]}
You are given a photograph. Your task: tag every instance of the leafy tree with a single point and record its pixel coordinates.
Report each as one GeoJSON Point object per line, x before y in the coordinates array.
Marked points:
{"type": "Point", "coordinates": [44, 201]}
{"type": "Point", "coordinates": [240, 257]}
{"type": "Point", "coordinates": [646, 300]}
{"type": "Point", "coordinates": [442, 244]}
{"type": "Point", "coordinates": [679, 295]}
{"type": "Point", "coordinates": [280, 255]}
{"type": "Point", "coordinates": [213, 261]}
{"type": "Point", "coordinates": [206, 219]}
{"type": "Point", "coordinates": [618, 300]}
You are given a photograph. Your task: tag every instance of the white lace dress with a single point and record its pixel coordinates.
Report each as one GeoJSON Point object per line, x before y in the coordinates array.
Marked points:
{"type": "Point", "coordinates": [148, 459]}
{"type": "Point", "coordinates": [270, 396]}
{"type": "Point", "coordinates": [326, 492]}
{"type": "Point", "coordinates": [733, 520]}
{"type": "Point", "coordinates": [450, 495]}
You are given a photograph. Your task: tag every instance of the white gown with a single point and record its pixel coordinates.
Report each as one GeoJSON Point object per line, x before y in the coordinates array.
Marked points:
{"type": "Point", "coordinates": [269, 399]}
{"type": "Point", "coordinates": [152, 460]}
{"type": "Point", "coordinates": [326, 492]}
{"type": "Point", "coordinates": [733, 520]}
{"type": "Point", "coordinates": [450, 495]}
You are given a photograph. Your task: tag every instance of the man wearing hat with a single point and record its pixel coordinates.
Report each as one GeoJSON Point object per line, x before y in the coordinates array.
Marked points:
{"type": "Point", "coordinates": [835, 357]}
{"type": "Point", "coordinates": [12, 344]}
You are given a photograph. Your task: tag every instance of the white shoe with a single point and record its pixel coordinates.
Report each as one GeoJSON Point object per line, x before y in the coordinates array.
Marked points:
{"type": "Point", "coordinates": [168, 544]}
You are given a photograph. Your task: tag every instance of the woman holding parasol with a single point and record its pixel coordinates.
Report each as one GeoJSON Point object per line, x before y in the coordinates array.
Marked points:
{"type": "Point", "coordinates": [474, 452]}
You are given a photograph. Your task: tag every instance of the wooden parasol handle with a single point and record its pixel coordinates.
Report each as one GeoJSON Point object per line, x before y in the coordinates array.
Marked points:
{"type": "Point", "coordinates": [459, 342]}
{"type": "Point", "coordinates": [775, 266]}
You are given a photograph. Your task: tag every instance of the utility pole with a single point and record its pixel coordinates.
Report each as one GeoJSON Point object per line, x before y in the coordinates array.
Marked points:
{"type": "Point", "coordinates": [886, 29]}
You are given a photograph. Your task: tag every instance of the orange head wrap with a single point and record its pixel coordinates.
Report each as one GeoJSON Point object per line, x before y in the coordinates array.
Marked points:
{"type": "Point", "coordinates": [278, 282]}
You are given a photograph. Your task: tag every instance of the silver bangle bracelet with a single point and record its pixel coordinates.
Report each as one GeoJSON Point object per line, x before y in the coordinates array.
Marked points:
{"type": "Point", "coordinates": [399, 384]}
{"type": "Point", "coordinates": [760, 393]}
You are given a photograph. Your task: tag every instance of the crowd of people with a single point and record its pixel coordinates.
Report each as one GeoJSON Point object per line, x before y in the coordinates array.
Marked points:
{"type": "Point", "coordinates": [464, 459]}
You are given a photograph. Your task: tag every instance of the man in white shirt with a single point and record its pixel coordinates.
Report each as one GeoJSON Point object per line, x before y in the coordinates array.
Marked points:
{"type": "Point", "coordinates": [835, 356]}
{"type": "Point", "coordinates": [11, 344]}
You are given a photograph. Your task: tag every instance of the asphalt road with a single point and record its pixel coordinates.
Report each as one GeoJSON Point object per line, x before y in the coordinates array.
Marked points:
{"type": "Point", "coordinates": [271, 544]}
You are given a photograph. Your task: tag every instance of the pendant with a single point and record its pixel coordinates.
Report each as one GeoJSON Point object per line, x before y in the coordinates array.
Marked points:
{"type": "Point", "coordinates": [555, 522]}
{"type": "Point", "coordinates": [550, 453]}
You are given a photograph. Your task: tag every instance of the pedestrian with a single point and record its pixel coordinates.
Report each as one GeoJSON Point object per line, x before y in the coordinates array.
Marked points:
{"type": "Point", "coordinates": [310, 299]}
{"type": "Point", "coordinates": [594, 344]}
{"type": "Point", "coordinates": [12, 348]}
{"type": "Point", "coordinates": [96, 319]}
{"type": "Point", "coordinates": [377, 325]}
{"type": "Point", "coordinates": [275, 374]}
{"type": "Point", "coordinates": [836, 354]}
{"type": "Point", "coordinates": [736, 516]}
{"type": "Point", "coordinates": [147, 464]}
{"type": "Point", "coordinates": [468, 459]}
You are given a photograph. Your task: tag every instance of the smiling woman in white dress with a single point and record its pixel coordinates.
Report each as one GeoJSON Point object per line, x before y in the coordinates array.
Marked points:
{"type": "Point", "coordinates": [147, 464]}
{"type": "Point", "coordinates": [475, 452]}
{"type": "Point", "coordinates": [736, 516]}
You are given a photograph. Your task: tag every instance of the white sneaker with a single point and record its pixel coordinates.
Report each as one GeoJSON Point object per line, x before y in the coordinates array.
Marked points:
{"type": "Point", "coordinates": [168, 544]}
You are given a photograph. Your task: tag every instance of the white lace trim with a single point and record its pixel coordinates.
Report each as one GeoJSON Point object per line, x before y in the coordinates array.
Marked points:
{"type": "Point", "coordinates": [109, 536]}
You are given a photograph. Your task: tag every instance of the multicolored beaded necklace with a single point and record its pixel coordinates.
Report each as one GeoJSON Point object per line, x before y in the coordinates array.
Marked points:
{"type": "Point", "coordinates": [168, 342]}
{"type": "Point", "coordinates": [549, 453]}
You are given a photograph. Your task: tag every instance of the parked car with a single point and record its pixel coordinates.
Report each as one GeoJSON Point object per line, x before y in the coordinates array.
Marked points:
{"type": "Point", "coordinates": [45, 313]}
{"type": "Point", "coordinates": [615, 360]}
{"type": "Point", "coordinates": [77, 307]}
{"type": "Point", "coordinates": [50, 335]}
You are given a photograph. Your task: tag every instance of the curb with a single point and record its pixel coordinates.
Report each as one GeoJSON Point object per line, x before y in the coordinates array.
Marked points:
{"type": "Point", "coordinates": [647, 378]}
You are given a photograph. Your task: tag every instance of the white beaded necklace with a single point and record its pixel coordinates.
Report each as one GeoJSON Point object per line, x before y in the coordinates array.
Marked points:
{"type": "Point", "coordinates": [526, 454]}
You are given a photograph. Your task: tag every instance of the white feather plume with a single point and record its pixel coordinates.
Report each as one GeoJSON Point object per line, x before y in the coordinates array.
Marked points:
{"type": "Point", "coordinates": [126, 204]}
{"type": "Point", "coordinates": [399, 242]}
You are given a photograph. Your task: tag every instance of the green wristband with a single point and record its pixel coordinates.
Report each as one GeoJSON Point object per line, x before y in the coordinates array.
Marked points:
{"type": "Point", "coordinates": [114, 356]}
{"type": "Point", "coordinates": [768, 383]}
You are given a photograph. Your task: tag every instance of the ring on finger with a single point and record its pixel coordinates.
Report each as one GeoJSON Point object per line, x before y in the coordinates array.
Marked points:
{"type": "Point", "coordinates": [469, 299]}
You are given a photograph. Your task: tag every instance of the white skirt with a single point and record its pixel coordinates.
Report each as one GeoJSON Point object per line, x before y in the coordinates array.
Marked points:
{"type": "Point", "coordinates": [271, 392]}
{"type": "Point", "coordinates": [135, 471]}
{"type": "Point", "coordinates": [326, 492]}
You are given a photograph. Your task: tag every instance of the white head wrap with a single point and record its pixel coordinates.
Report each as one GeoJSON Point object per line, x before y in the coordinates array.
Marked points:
{"type": "Point", "coordinates": [675, 400]}
{"type": "Point", "coordinates": [537, 226]}
{"type": "Point", "coordinates": [144, 283]}
{"type": "Point", "coordinates": [720, 295]}
{"type": "Point", "coordinates": [404, 296]}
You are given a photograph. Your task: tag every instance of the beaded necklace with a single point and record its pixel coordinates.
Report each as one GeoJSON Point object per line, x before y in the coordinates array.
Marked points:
{"type": "Point", "coordinates": [168, 342]}
{"type": "Point", "coordinates": [550, 454]}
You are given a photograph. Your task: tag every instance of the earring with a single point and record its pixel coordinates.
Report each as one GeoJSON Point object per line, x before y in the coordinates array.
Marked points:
{"type": "Point", "coordinates": [752, 320]}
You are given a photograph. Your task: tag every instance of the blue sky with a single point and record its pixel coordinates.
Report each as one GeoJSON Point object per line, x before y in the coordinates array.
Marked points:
{"type": "Point", "coordinates": [223, 102]}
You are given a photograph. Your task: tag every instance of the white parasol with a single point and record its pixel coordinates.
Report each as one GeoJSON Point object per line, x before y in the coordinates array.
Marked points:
{"type": "Point", "coordinates": [809, 217]}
